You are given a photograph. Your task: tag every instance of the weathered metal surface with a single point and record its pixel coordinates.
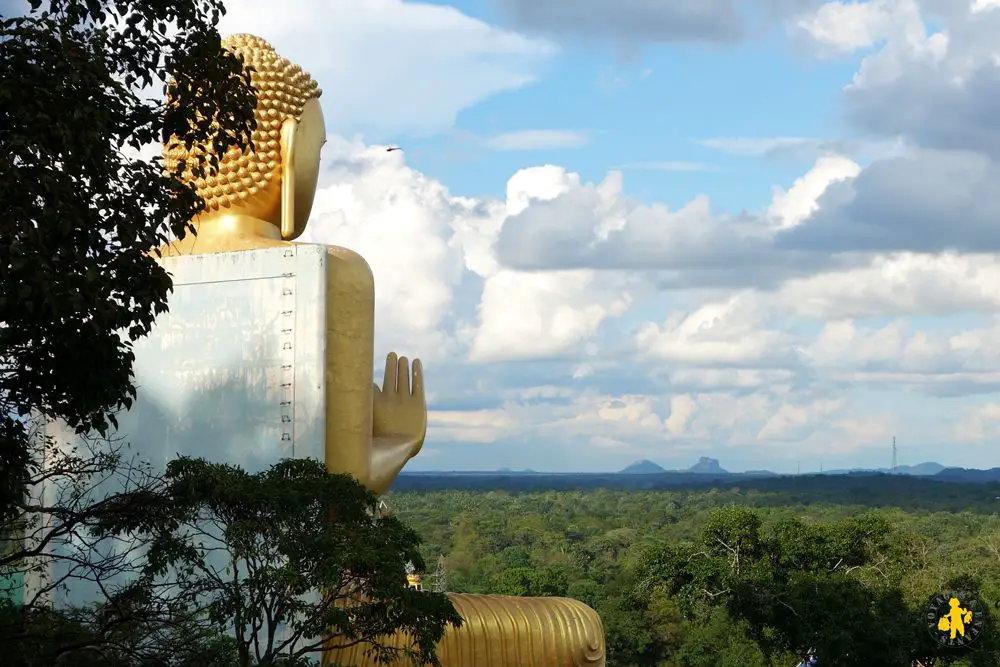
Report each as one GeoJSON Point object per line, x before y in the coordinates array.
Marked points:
{"type": "Point", "coordinates": [233, 373]}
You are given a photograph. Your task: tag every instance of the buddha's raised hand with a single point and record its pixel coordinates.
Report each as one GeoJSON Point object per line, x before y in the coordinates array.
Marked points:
{"type": "Point", "coordinates": [399, 420]}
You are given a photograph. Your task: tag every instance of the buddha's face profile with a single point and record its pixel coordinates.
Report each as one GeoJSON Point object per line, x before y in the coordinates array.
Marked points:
{"type": "Point", "coordinates": [275, 181]}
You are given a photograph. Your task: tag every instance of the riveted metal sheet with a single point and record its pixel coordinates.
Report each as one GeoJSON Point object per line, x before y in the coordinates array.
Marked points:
{"type": "Point", "coordinates": [233, 373]}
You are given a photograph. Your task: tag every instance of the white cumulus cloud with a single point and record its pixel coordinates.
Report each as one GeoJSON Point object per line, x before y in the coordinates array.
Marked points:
{"type": "Point", "coordinates": [569, 321]}
{"type": "Point", "coordinates": [377, 60]}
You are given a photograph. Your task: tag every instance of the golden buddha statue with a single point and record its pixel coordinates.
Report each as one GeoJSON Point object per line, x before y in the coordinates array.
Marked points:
{"type": "Point", "coordinates": [262, 198]}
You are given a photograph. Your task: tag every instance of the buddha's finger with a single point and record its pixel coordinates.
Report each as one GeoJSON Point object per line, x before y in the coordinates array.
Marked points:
{"type": "Point", "coordinates": [389, 382]}
{"type": "Point", "coordinates": [418, 378]}
{"type": "Point", "coordinates": [403, 377]}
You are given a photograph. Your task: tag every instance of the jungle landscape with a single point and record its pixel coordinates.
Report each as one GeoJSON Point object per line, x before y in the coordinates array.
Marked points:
{"type": "Point", "coordinates": [207, 564]}
{"type": "Point", "coordinates": [746, 571]}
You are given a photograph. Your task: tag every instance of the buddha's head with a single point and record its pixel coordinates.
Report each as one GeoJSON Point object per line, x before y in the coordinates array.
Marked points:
{"type": "Point", "coordinates": [276, 180]}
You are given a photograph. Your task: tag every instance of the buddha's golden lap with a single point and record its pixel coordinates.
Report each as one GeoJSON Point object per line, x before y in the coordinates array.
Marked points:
{"type": "Point", "coordinates": [503, 631]}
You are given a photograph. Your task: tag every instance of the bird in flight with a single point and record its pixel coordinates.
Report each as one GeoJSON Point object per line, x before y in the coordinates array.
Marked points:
{"type": "Point", "coordinates": [393, 148]}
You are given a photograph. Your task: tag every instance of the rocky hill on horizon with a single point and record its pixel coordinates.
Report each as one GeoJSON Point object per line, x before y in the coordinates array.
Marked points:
{"type": "Point", "coordinates": [925, 469]}
{"type": "Point", "coordinates": [709, 466]}
{"type": "Point", "coordinates": [643, 467]}
{"type": "Point", "coordinates": [704, 466]}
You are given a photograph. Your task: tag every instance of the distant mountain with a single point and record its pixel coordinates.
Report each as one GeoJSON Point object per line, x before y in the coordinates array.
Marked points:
{"type": "Point", "coordinates": [969, 475]}
{"type": "Point", "coordinates": [921, 469]}
{"type": "Point", "coordinates": [707, 466]}
{"type": "Point", "coordinates": [710, 466]}
{"type": "Point", "coordinates": [704, 466]}
{"type": "Point", "coordinates": [926, 469]}
{"type": "Point", "coordinates": [643, 467]}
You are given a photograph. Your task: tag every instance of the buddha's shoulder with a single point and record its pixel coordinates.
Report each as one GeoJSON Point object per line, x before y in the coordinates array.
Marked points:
{"type": "Point", "coordinates": [344, 260]}
{"type": "Point", "coordinates": [345, 255]}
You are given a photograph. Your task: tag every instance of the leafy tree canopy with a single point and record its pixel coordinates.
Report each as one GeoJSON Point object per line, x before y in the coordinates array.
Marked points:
{"type": "Point", "coordinates": [78, 99]}
{"type": "Point", "coordinates": [545, 581]}
{"type": "Point", "coordinates": [277, 559]}
{"type": "Point", "coordinates": [829, 589]}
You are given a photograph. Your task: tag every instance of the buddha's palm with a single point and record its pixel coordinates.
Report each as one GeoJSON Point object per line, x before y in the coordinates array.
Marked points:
{"type": "Point", "coordinates": [399, 420]}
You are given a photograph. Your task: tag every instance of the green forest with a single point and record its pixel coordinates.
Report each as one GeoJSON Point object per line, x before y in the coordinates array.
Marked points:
{"type": "Point", "coordinates": [843, 566]}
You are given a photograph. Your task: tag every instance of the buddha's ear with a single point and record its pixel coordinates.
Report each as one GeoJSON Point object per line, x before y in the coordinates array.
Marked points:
{"type": "Point", "coordinates": [288, 178]}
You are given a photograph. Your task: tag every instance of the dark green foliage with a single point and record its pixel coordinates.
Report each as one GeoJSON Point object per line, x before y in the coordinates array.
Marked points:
{"type": "Point", "coordinates": [546, 581]}
{"type": "Point", "coordinates": [76, 283]}
{"type": "Point", "coordinates": [114, 634]}
{"type": "Point", "coordinates": [239, 570]}
{"type": "Point", "coordinates": [863, 489]}
{"type": "Point", "coordinates": [270, 559]}
{"type": "Point", "coordinates": [831, 588]}
{"type": "Point", "coordinates": [718, 641]}
{"type": "Point", "coordinates": [657, 565]}
{"type": "Point", "coordinates": [27, 640]}
{"type": "Point", "coordinates": [630, 638]}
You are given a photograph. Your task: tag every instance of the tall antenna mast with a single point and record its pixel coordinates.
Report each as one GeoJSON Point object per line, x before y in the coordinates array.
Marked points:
{"type": "Point", "coordinates": [894, 460]}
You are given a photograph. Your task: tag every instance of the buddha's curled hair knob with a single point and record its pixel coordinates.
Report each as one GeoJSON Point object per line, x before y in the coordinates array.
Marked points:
{"type": "Point", "coordinates": [283, 89]}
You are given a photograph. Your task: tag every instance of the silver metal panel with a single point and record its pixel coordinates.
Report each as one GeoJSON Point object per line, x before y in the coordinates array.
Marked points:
{"type": "Point", "coordinates": [233, 373]}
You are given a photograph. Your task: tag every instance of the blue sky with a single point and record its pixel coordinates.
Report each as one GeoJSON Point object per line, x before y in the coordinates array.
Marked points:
{"type": "Point", "coordinates": [561, 170]}
{"type": "Point", "coordinates": [648, 108]}
{"type": "Point", "coordinates": [762, 231]}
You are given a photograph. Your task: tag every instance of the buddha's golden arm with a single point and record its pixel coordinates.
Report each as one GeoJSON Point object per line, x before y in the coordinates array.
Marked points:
{"type": "Point", "coordinates": [350, 356]}
{"type": "Point", "coordinates": [371, 431]}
